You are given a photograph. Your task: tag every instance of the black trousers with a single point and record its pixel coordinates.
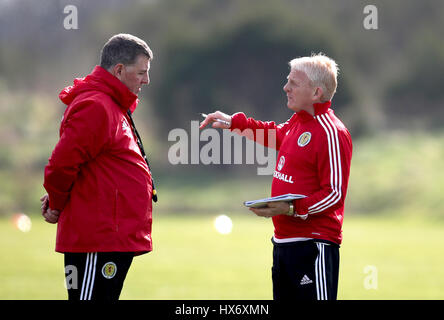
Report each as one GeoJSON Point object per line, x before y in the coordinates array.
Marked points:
{"type": "Point", "coordinates": [96, 275]}
{"type": "Point", "coordinates": [305, 270]}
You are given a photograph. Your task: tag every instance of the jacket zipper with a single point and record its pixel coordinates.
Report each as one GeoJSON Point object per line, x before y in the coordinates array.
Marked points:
{"type": "Point", "coordinates": [116, 226]}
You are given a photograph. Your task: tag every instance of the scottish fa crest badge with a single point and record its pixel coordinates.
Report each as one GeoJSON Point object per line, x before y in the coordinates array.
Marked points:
{"type": "Point", "coordinates": [304, 139]}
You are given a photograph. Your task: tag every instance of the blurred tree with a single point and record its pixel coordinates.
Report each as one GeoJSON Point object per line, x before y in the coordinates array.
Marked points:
{"type": "Point", "coordinates": [238, 66]}
{"type": "Point", "coordinates": [416, 99]}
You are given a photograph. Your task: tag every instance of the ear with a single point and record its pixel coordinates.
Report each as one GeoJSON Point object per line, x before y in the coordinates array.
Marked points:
{"type": "Point", "coordinates": [317, 95]}
{"type": "Point", "coordinates": [116, 70]}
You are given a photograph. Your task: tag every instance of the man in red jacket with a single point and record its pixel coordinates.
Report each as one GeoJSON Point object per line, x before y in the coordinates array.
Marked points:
{"type": "Point", "coordinates": [98, 180]}
{"type": "Point", "coordinates": [314, 158]}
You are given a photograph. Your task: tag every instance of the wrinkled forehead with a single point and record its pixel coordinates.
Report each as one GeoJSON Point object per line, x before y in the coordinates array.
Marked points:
{"type": "Point", "coordinates": [298, 76]}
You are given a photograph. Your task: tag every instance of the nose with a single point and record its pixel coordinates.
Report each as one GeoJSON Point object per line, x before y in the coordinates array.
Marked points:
{"type": "Point", "coordinates": [146, 79]}
{"type": "Point", "coordinates": [285, 88]}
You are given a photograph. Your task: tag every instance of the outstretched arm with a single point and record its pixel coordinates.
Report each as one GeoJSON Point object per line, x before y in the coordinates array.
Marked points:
{"type": "Point", "coordinates": [267, 133]}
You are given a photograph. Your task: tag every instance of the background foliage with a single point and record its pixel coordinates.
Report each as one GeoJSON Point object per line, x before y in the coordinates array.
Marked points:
{"type": "Point", "coordinates": [232, 56]}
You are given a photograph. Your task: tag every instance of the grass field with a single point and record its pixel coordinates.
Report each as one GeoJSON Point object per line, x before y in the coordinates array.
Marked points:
{"type": "Point", "coordinates": [192, 261]}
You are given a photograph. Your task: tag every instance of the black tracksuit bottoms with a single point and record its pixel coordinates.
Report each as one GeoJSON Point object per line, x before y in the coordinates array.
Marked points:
{"type": "Point", "coordinates": [305, 270]}
{"type": "Point", "coordinates": [96, 275]}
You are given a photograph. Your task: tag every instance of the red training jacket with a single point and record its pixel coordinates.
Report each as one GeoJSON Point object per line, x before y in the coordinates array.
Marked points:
{"type": "Point", "coordinates": [96, 175]}
{"type": "Point", "coordinates": [314, 160]}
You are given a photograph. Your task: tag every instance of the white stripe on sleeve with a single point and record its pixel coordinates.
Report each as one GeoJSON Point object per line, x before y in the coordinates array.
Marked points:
{"type": "Point", "coordinates": [335, 166]}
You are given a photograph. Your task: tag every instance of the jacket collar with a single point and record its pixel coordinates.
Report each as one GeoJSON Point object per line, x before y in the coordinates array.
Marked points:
{"type": "Point", "coordinates": [101, 80]}
{"type": "Point", "coordinates": [123, 96]}
{"type": "Point", "coordinates": [319, 108]}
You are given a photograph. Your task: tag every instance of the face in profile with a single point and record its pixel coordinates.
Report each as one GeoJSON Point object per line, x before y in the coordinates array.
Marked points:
{"type": "Point", "coordinates": [300, 92]}
{"type": "Point", "coordinates": [134, 76]}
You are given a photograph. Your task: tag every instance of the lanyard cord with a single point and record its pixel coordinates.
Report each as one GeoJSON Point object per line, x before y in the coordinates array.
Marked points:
{"type": "Point", "coordinates": [139, 143]}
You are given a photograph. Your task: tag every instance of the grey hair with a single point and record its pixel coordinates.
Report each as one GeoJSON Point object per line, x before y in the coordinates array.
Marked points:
{"type": "Point", "coordinates": [321, 70]}
{"type": "Point", "coordinates": [123, 48]}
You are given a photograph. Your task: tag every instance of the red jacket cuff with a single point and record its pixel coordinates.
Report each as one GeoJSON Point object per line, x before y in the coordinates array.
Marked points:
{"type": "Point", "coordinates": [300, 207]}
{"type": "Point", "coordinates": [238, 121]}
{"type": "Point", "coordinates": [57, 201]}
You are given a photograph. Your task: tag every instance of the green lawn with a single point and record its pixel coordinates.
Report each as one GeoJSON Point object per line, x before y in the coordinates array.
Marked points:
{"type": "Point", "coordinates": [192, 261]}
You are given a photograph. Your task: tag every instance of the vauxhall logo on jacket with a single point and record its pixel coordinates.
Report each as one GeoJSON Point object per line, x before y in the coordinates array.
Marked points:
{"type": "Point", "coordinates": [278, 175]}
